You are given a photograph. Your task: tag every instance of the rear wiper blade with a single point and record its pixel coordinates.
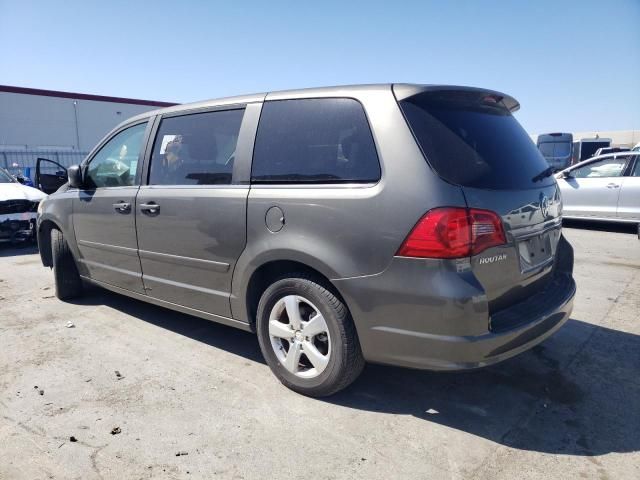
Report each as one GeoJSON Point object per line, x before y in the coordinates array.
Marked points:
{"type": "Point", "coordinates": [543, 174]}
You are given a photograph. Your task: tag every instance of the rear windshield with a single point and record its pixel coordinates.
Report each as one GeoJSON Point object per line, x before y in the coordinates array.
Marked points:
{"type": "Point", "coordinates": [555, 149]}
{"type": "Point", "coordinates": [472, 141]}
{"type": "Point", "coordinates": [587, 149]}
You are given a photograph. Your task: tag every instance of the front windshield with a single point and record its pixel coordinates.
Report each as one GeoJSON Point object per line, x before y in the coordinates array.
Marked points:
{"type": "Point", "coordinates": [5, 177]}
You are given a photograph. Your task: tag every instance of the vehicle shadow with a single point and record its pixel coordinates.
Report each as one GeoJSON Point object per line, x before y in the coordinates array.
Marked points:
{"type": "Point", "coordinates": [9, 250]}
{"type": "Point", "coordinates": [630, 228]}
{"type": "Point", "coordinates": [232, 340]}
{"type": "Point", "coordinates": [578, 393]}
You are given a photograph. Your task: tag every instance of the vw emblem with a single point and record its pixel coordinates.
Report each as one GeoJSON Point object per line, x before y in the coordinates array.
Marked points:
{"type": "Point", "coordinates": [544, 205]}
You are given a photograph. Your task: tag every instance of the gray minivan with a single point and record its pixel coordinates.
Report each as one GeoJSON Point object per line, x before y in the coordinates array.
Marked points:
{"type": "Point", "coordinates": [411, 225]}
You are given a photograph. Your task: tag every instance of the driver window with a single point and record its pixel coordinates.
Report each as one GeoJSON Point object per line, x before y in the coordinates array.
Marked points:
{"type": "Point", "coordinates": [196, 149]}
{"type": "Point", "coordinates": [609, 167]}
{"type": "Point", "coordinates": [116, 164]}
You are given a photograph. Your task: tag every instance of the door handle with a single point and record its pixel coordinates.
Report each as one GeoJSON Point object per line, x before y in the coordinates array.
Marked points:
{"type": "Point", "coordinates": [122, 207]}
{"type": "Point", "coordinates": [151, 208]}
{"type": "Point", "coordinates": [613, 185]}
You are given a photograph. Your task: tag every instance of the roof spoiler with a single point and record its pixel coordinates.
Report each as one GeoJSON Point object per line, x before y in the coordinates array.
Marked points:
{"type": "Point", "coordinates": [403, 91]}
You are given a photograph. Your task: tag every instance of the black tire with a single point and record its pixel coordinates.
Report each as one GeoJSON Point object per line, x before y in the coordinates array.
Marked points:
{"type": "Point", "coordinates": [345, 361]}
{"type": "Point", "coordinates": [65, 272]}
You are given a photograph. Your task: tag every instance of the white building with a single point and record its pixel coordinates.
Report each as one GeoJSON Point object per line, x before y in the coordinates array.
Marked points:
{"type": "Point", "coordinates": [619, 138]}
{"type": "Point", "coordinates": [59, 126]}
{"type": "Point", "coordinates": [32, 119]}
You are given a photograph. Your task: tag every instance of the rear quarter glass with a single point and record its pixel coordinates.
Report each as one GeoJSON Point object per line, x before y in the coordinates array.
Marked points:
{"type": "Point", "coordinates": [320, 140]}
{"type": "Point", "coordinates": [472, 143]}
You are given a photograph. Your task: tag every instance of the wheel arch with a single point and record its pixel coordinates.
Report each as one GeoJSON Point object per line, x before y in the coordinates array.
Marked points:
{"type": "Point", "coordinates": [272, 270]}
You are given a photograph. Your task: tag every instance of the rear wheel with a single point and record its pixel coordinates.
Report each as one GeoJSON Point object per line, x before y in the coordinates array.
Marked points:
{"type": "Point", "coordinates": [65, 272]}
{"type": "Point", "coordinates": [307, 337]}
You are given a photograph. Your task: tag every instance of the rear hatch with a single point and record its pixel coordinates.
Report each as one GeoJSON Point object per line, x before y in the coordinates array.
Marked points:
{"type": "Point", "coordinates": [557, 154]}
{"type": "Point", "coordinates": [470, 138]}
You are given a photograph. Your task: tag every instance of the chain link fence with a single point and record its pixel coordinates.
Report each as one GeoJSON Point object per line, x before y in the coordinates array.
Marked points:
{"type": "Point", "coordinates": [24, 161]}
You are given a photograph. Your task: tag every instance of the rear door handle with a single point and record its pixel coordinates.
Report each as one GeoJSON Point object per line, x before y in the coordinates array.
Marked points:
{"type": "Point", "coordinates": [122, 207]}
{"type": "Point", "coordinates": [150, 207]}
{"type": "Point", "coordinates": [613, 185]}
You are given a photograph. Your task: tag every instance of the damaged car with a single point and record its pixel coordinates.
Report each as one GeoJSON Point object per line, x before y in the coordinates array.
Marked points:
{"type": "Point", "coordinates": [18, 208]}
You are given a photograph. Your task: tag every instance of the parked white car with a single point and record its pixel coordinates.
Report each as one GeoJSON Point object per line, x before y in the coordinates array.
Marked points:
{"type": "Point", "coordinates": [18, 207]}
{"type": "Point", "coordinates": [603, 188]}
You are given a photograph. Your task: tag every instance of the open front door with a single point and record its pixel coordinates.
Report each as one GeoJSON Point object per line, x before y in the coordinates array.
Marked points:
{"type": "Point", "coordinates": [50, 175]}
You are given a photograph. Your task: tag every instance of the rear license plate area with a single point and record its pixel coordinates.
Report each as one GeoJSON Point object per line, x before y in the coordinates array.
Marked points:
{"type": "Point", "coordinates": [538, 250]}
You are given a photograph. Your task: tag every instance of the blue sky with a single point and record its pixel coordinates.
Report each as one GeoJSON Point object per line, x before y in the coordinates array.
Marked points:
{"type": "Point", "coordinates": [573, 65]}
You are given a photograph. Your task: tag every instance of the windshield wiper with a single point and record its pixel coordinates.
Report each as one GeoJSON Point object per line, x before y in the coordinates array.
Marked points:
{"type": "Point", "coordinates": [543, 174]}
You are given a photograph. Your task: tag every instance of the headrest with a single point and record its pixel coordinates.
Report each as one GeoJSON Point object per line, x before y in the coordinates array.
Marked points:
{"type": "Point", "coordinates": [202, 147]}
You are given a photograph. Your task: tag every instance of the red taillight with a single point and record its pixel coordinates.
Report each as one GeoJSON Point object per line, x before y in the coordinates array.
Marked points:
{"type": "Point", "coordinates": [453, 232]}
{"type": "Point", "coordinates": [486, 230]}
{"type": "Point", "coordinates": [441, 233]}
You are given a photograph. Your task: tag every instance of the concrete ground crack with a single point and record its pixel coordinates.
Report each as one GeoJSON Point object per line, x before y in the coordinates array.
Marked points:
{"type": "Point", "coordinates": [94, 463]}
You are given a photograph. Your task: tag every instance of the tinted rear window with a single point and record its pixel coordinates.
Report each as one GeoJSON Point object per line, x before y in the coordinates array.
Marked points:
{"type": "Point", "coordinates": [323, 140]}
{"type": "Point", "coordinates": [587, 149]}
{"type": "Point", "coordinates": [472, 143]}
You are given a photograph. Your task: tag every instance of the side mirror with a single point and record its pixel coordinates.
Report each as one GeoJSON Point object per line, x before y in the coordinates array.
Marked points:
{"type": "Point", "coordinates": [20, 179]}
{"type": "Point", "coordinates": [74, 173]}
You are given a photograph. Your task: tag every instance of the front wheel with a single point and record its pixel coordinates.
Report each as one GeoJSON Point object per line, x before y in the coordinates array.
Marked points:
{"type": "Point", "coordinates": [65, 272]}
{"type": "Point", "coordinates": [307, 337]}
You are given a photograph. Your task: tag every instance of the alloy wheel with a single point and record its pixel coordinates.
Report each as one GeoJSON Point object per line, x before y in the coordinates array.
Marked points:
{"type": "Point", "coordinates": [299, 336]}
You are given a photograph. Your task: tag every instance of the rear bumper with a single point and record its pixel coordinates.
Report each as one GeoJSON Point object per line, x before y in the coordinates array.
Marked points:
{"type": "Point", "coordinates": [438, 319]}
{"type": "Point", "coordinates": [439, 352]}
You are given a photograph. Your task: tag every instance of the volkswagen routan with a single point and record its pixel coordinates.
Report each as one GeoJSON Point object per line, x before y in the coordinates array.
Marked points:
{"type": "Point", "coordinates": [411, 225]}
